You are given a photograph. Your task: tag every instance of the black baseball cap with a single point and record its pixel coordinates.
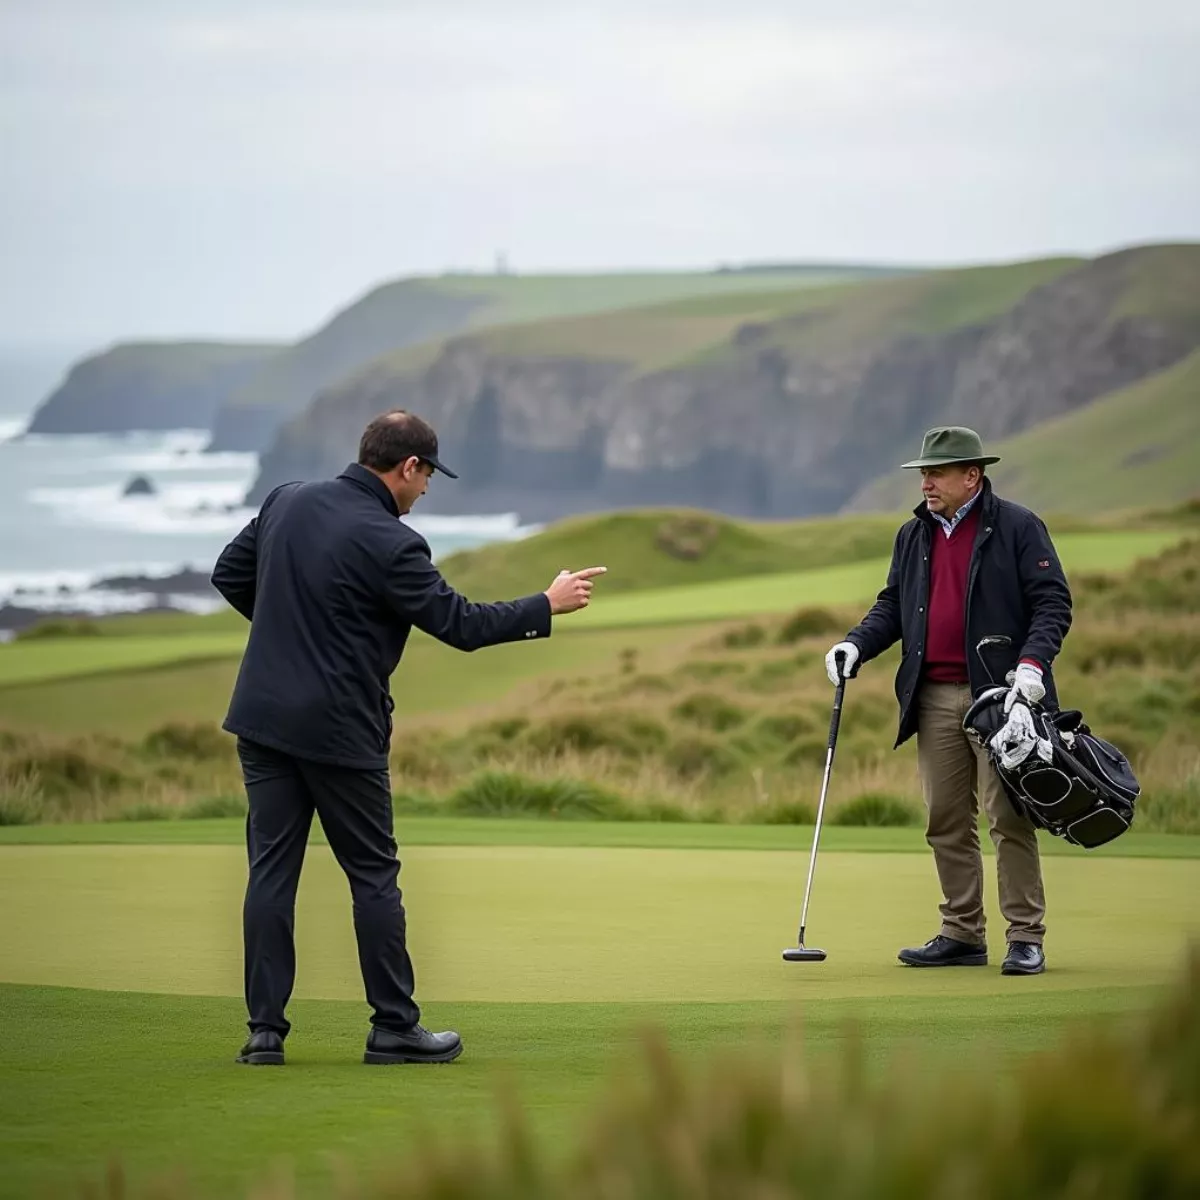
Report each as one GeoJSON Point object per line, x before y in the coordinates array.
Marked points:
{"type": "Point", "coordinates": [397, 435]}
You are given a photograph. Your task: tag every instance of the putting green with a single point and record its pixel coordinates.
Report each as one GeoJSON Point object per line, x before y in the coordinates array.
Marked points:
{"type": "Point", "coordinates": [521, 924]}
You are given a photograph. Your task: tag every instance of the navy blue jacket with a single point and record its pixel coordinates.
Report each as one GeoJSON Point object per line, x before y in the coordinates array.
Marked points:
{"type": "Point", "coordinates": [1016, 588]}
{"type": "Point", "coordinates": [332, 583]}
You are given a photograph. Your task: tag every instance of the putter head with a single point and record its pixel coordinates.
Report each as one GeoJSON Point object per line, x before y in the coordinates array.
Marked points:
{"type": "Point", "coordinates": [803, 954]}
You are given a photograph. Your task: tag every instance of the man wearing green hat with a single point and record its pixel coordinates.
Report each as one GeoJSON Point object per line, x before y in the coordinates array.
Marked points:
{"type": "Point", "coordinates": [968, 566]}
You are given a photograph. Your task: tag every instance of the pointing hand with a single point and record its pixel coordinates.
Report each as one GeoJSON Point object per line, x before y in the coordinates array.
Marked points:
{"type": "Point", "coordinates": [572, 590]}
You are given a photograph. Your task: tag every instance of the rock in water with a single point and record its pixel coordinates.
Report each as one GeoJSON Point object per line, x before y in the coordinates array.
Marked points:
{"type": "Point", "coordinates": [139, 485]}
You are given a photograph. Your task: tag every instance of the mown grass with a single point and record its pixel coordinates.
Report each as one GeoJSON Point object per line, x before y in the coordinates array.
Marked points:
{"type": "Point", "coordinates": [898, 1101]}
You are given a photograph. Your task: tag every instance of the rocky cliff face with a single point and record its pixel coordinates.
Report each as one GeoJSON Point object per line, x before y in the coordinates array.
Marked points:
{"type": "Point", "coordinates": [776, 426]}
{"type": "Point", "coordinates": [148, 386]}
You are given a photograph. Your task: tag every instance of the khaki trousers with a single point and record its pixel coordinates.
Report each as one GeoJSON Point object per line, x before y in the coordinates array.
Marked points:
{"type": "Point", "coordinates": [955, 775]}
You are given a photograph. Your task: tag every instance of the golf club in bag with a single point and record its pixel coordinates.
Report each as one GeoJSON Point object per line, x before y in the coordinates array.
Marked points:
{"type": "Point", "coordinates": [1062, 777]}
{"type": "Point", "coordinates": [800, 952]}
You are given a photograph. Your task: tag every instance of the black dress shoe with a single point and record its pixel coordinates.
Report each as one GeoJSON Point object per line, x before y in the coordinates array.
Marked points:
{"type": "Point", "coordinates": [264, 1049]}
{"type": "Point", "coordinates": [942, 951]}
{"type": "Point", "coordinates": [1023, 958]}
{"type": "Point", "coordinates": [416, 1045]}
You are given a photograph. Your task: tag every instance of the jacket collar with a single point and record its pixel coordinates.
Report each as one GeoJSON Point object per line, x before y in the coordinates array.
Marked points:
{"type": "Point", "coordinates": [369, 481]}
{"type": "Point", "coordinates": [986, 503]}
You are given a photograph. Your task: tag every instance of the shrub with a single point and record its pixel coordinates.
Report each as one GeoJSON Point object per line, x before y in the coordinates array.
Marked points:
{"type": "Point", "coordinates": [786, 812]}
{"type": "Point", "coordinates": [693, 757]}
{"type": "Point", "coordinates": [876, 808]}
{"type": "Point", "coordinates": [785, 727]}
{"type": "Point", "coordinates": [687, 538]}
{"type": "Point", "coordinates": [64, 772]}
{"type": "Point", "coordinates": [625, 734]}
{"type": "Point", "coordinates": [744, 637]}
{"type": "Point", "coordinates": [20, 798]}
{"type": "Point", "coordinates": [809, 622]}
{"type": "Point", "coordinates": [199, 742]}
{"type": "Point", "coordinates": [508, 794]}
{"type": "Point", "coordinates": [709, 711]}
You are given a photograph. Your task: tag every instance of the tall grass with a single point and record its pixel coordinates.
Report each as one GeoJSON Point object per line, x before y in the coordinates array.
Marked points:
{"type": "Point", "coordinates": [1111, 1113]}
{"type": "Point", "coordinates": [733, 729]}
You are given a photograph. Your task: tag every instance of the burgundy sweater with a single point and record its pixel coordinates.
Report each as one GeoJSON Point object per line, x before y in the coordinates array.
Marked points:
{"type": "Point", "coordinates": [946, 622]}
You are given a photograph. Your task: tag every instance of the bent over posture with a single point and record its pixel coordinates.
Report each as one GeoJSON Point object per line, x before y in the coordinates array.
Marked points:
{"type": "Point", "coordinates": [968, 566]}
{"type": "Point", "coordinates": [332, 583]}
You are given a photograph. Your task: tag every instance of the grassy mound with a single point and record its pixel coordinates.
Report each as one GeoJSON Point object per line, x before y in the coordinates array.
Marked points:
{"type": "Point", "coordinates": [648, 549]}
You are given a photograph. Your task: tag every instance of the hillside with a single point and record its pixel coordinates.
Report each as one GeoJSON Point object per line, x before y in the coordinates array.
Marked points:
{"type": "Point", "coordinates": [664, 548]}
{"type": "Point", "coordinates": [766, 404]}
{"type": "Point", "coordinates": [1137, 446]}
{"type": "Point", "coordinates": [409, 312]}
{"type": "Point", "coordinates": [148, 385]}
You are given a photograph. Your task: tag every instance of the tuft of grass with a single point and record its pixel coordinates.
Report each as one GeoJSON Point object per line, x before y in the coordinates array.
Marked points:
{"type": "Point", "coordinates": [509, 794]}
{"type": "Point", "coordinates": [709, 711]}
{"type": "Point", "coordinates": [809, 622]}
{"type": "Point", "coordinates": [875, 808]}
{"type": "Point", "coordinates": [200, 742]}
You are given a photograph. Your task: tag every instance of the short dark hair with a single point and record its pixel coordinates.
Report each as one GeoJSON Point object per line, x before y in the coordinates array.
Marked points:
{"type": "Point", "coordinates": [394, 436]}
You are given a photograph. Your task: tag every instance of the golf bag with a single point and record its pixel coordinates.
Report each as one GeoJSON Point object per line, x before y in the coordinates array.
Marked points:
{"type": "Point", "coordinates": [1064, 778]}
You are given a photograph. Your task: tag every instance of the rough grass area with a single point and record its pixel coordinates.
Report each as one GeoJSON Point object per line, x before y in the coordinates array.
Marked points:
{"type": "Point", "coordinates": [719, 722]}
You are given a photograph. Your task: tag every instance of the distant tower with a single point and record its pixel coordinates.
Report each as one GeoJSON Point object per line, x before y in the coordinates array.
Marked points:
{"type": "Point", "coordinates": [502, 263]}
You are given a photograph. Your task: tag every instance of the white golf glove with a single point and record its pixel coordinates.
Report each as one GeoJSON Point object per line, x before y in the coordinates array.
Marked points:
{"type": "Point", "coordinates": [847, 652]}
{"type": "Point", "coordinates": [1027, 686]}
{"type": "Point", "coordinates": [1015, 740]}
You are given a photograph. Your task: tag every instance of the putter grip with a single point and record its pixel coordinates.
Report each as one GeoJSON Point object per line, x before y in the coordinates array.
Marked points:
{"type": "Point", "coordinates": [835, 719]}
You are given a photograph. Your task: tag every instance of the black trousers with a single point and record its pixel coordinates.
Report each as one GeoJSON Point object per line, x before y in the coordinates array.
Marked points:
{"type": "Point", "coordinates": [355, 808]}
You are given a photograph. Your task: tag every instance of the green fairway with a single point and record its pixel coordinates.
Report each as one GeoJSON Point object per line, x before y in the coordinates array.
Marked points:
{"type": "Point", "coordinates": [856, 583]}
{"type": "Point", "coordinates": [92, 1075]}
{"type": "Point", "coordinates": [520, 923]}
{"type": "Point", "coordinates": [120, 972]}
{"type": "Point", "coordinates": [520, 831]}
{"type": "Point", "coordinates": [98, 690]}
{"type": "Point", "coordinates": [55, 658]}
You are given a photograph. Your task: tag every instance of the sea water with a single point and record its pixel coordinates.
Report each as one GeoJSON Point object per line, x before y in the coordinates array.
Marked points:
{"type": "Point", "coordinates": [65, 522]}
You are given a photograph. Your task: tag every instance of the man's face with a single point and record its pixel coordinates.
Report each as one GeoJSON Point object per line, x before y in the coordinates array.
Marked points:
{"type": "Point", "coordinates": [411, 479]}
{"type": "Point", "coordinates": [947, 489]}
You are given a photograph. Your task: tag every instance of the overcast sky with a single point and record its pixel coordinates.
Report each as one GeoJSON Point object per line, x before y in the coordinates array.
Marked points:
{"type": "Point", "coordinates": [243, 168]}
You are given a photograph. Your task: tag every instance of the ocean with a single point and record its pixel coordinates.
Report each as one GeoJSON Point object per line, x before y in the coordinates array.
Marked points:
{"type": "Point", "coordinates": [65, 523]}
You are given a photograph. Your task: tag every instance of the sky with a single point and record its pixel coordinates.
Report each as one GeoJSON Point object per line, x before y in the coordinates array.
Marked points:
{"type": "Point", "coordinates": [243, 169]}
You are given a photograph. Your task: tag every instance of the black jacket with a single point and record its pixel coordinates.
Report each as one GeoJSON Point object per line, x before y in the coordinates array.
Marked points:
{"type": "Point", "coordinates": [1016, 588]}
{"type": "Point", "coordinates": [332, 583]}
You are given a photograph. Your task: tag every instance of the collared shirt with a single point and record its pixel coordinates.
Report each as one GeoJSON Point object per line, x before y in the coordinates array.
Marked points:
{"type": "Point", "coordinates": [950, 526]}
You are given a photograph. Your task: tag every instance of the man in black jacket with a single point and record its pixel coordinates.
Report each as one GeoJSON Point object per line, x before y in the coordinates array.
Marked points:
{"type": "Point", "coordinates": [968, 566]}
{"type": "Point", "coordinates": [332, 583]}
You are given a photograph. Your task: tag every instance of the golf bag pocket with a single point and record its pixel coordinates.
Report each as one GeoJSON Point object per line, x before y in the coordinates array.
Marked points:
{"type": "Point", "coordinates": [1071, 783]}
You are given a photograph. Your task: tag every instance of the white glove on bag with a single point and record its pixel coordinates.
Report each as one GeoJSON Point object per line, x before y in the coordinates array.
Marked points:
{"type": "Point", "coordinates": [1015, 740]}
{"type": "Point", "coordinates": [847, 652]}
{"type": "Point", "coordinates": [1027, 687]}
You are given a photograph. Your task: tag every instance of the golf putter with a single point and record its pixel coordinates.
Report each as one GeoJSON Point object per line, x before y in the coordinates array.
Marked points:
{"type": "Point", "coordinates": [801, 952]}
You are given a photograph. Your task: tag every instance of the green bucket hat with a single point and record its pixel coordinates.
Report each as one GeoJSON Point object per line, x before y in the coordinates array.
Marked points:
{"type": "Point", "coordinates": [950, 444]}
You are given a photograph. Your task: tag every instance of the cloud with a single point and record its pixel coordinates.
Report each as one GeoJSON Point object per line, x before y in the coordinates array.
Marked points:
{"type": "Point", "coordinates": [243, 167]}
